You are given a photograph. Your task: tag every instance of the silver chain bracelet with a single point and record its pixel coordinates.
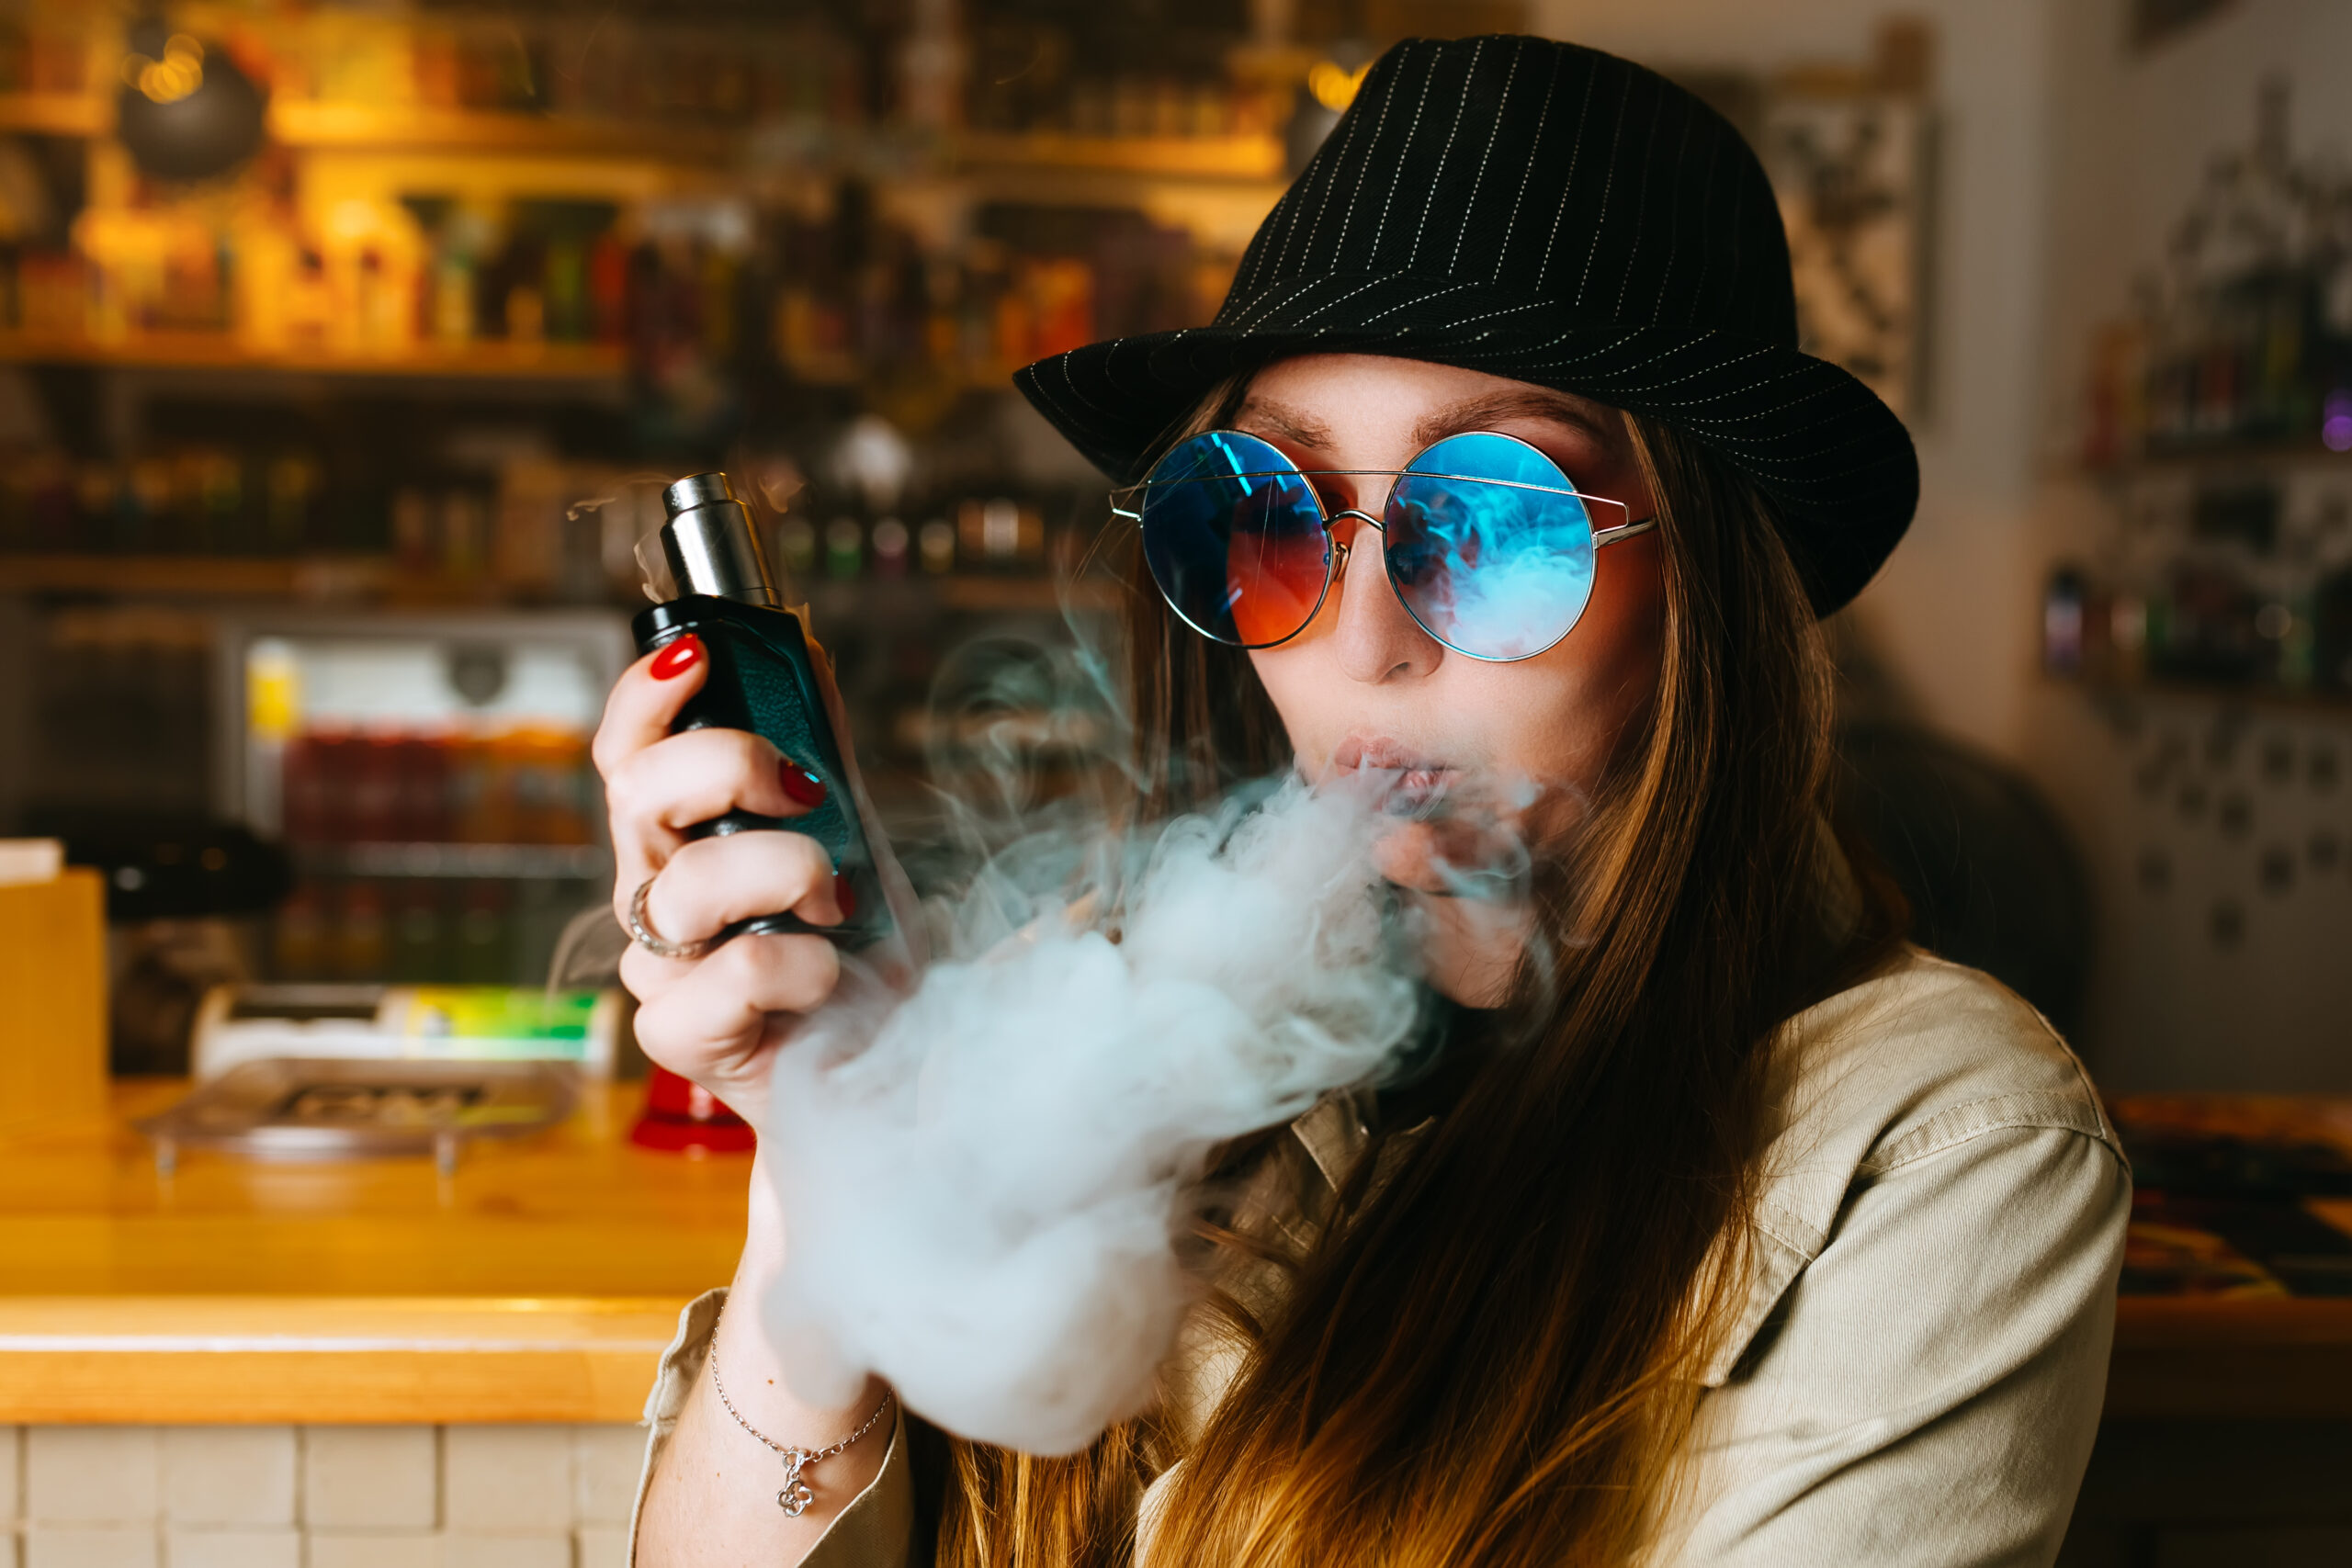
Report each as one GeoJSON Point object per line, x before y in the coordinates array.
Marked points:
{"type": "Point", "coordinates": [796, 1495]}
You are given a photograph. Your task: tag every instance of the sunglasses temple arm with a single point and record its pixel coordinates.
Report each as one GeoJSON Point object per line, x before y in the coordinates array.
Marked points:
{"type": "Point", "coordinates": [1624, 531]}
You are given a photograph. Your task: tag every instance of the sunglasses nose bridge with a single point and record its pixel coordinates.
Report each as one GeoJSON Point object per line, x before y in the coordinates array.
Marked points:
{"type": "Point", "coordinates": [1341, 548]}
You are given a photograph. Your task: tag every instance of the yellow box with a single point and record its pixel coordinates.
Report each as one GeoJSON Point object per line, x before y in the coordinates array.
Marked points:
{"type": "Point", "coordinates": [53, 1000]}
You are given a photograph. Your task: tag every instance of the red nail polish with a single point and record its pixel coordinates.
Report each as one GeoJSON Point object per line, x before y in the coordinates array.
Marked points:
{"type": "Point", "coordinates": [805, 787]}
{"type": "Point", "coordinates": [845, 894]}
{"type": "Point", "coordinates": [677, 658]}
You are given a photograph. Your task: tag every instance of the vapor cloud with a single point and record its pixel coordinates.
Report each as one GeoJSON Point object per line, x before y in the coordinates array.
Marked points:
{"type": "Point", "coordinates": [982, 1182]}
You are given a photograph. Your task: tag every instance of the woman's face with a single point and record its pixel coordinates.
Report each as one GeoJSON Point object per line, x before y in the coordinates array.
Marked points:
{"type": "Point", "coordinates": [1364, 686]}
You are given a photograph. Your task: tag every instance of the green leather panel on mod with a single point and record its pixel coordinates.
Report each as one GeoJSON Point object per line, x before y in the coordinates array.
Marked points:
{"type": "Point", "coordinates": [761, 680]}
{"type": "Point", "coordinates": [779, 696]}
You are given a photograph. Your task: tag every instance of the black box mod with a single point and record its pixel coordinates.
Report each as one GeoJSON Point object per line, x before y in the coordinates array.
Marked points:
{"type": "Point", "coordinates": [760, 678]}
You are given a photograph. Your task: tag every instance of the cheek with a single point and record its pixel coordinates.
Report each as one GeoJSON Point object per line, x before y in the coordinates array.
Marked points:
{"type": "Point", "coordinates": [1624, 628]}
{"type": "Point", "coordinates": [1572, 708]}
{"type": "Point", "coordinates": [1300, 687]}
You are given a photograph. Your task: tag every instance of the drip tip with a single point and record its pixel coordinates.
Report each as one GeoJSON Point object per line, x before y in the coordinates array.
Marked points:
{"type": "Point", "coordinates": [709, 544]}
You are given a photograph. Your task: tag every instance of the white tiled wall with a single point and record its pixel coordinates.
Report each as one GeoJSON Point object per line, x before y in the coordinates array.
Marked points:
{"type": "Point", "coordinates": [507, 1478]}
{"type": "Point", "coordinates": [228, 1475]}
{"type": "Point", "coordinates": [12, 1447]}
{"type": "Point", "coordinates": [371, 1477]}
{"type": "Point", "coordinates": [317, 1496]}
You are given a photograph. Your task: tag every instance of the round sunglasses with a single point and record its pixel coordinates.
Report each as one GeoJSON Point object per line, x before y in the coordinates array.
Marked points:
{"type": "Point", "coordinates": [1488, 545]}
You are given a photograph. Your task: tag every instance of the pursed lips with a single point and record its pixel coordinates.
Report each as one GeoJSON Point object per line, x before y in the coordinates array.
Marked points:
{"type": "Point", "coordinates": [1416, 779]}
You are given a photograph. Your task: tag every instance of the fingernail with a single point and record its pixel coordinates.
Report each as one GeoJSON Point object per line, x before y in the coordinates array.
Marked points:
{"type": "Point", "coordinates": [805, 787]}
{"type": "Point", "coordinates": [677, 658]}
{"type": "Point", "coordinates": [845, 894]}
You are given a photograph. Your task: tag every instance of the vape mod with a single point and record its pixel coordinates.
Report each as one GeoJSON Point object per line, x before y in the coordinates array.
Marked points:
{"type": "Point", "coordinates": [760, 680]}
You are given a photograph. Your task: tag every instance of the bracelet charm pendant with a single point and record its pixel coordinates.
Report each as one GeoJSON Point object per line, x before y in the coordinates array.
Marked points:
{"type": "Point", "coordinates": [797, 1493]}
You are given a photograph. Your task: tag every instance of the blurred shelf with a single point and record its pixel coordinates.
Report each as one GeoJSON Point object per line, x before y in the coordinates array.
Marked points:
{"type": "Point", "coordinates": [517, 863]}
{"type": "Point", "coordinates": [340, 125]}
{"type": "Point", "coordinates": [318, 579]}
{"type": "Point", "coordinates": [988, 595]}
{"type": "Point", "coordinates": [344, 126]}
{"type": "Point", "coordinates": [1243, 159]}
{"type": "Point", "coordinates": [56, 114]}
{"type": "Point", "coordinates": [333, 578]}
{"type": "Point", "coordinates": [327, 580]}
{"type": "Point", "coordinates": [2221, 457]}
{"type": "Point", "coordinates": [847, 371]}
{"type": "Point", "coordinates": [874, 601]}
{"type": "Point", "coordinates": [551, 362]}
{"type": "Point", "coordinates": [193, 576]}
{"type": "Point", "coordinates": [2274, 698]}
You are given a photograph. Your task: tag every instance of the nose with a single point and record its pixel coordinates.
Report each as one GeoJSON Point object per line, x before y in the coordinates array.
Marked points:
{"type": "Point", "coordinates": [1374, 637]}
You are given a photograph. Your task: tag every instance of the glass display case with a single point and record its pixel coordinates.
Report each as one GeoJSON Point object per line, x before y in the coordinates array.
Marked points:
{"type": "Point", "coordinates": [430, 776]}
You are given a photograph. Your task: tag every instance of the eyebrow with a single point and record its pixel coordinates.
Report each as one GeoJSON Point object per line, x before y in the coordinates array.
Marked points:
{"type": "Point", "coordinates": [1495, 408]}
{"type": "Point", "coordinates": [1483, 413]}
{"type": "Point", "coordinates": [1295, 423]}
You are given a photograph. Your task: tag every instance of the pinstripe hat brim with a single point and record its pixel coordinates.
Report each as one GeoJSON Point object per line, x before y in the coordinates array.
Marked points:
{"type": "Point", "coordinates": [1709, 347]}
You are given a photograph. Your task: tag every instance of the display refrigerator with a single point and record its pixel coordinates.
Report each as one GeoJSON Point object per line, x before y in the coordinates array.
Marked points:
{"type": "Point", "coordinates": [430, 776]}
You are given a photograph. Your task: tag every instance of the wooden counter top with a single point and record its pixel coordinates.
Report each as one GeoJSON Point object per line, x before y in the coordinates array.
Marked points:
{"type": "Point", "coordinates": [541, 1279]}
{"type": "Point", "coordinates": [538, 1282]}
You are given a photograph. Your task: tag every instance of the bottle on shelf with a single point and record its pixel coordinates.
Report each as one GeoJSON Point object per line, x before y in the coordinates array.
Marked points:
{"type": "Point", "coordinates": [2063, 612]}
{"type": "Point", "coordinates": [936, 541]}
{"type": "Point", "coordinates": [889, 540]}
{"type": "Point", "coordinates": [795, 542]}
{"type": "Point", "coordinates": [2331, 630]}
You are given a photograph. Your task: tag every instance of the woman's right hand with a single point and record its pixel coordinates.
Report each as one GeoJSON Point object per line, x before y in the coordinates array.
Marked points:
{"type": "Point", "coordinates": [714, 1019]}
{"type": "Point", "coordinates": [719, 1021]}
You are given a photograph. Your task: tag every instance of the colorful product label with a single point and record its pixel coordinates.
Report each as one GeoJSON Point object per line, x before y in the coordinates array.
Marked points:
{"type": "Point", "coordinates": [495, 1022]}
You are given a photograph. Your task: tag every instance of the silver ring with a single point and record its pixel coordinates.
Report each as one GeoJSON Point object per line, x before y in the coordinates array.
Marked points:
{"type": "Point", "coordinates": [652, 942]}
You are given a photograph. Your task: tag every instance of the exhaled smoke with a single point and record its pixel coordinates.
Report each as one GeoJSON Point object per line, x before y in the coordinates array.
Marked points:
{"type": "Point", "coordinates": [983, 1182]}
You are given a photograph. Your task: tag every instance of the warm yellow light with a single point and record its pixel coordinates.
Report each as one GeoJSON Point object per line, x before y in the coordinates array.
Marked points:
{"type": "Point", "coordinates": [1333, 86]}
{"type": "Point", "coordinates": [172, 78]}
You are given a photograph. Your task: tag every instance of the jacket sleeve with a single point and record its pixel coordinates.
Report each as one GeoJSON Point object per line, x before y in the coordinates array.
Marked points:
{"type": "Point", "coordinates": [875, 1529]}
{"type": "Point", "coordinates": [1926, 1392]}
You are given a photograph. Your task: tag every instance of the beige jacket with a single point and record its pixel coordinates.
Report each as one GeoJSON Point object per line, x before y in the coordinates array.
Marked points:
{"type": "Point", "coordinates": [1916, 1376]}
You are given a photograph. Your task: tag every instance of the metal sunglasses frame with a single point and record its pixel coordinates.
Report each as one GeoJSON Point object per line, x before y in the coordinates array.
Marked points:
{"type": "Point", "coordinates": [1338, 562]}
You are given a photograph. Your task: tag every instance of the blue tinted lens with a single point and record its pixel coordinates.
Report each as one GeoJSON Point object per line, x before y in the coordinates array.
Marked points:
{"type": "Point", "coordinates": [1235, 539]}
{"type": "Point", "coordinates": [1490, 567]}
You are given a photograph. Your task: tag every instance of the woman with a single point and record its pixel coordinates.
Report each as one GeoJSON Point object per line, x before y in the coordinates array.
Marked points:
{"type": "Point", "coordinates": [1728, 1229]}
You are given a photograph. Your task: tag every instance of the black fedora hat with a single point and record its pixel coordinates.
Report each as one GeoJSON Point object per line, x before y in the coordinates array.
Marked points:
{"type": "Point", "coordinates": [1552, 214]}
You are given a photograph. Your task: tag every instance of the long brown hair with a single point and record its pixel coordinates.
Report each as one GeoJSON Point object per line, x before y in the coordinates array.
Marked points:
{"type": "Point", "coordinates": [1492, 1357]}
